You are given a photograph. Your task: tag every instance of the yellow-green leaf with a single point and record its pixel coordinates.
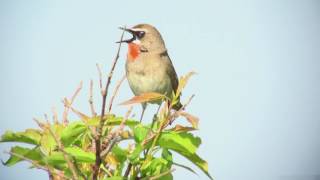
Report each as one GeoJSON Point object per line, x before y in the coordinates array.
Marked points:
{"type": "Point", "coordinates": [80, 155]}
{"type": "Point", "coordinates": [31, 154]}
{"type": "Point", "coordinates": [180, 142]}
{"type": "Point", "coordinates": [30, 136]}
{"type": "Point", "coordinates": [140, 132]}
{"type": "Point", "coordinates": [70, 134]}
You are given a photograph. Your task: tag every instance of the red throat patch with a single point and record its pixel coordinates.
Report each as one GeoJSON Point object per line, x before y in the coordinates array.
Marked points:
{"type": "Point", "coordinates": [133, 51]}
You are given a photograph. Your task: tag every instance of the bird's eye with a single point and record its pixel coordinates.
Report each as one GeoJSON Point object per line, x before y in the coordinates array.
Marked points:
{"type": "Point", "coordinates": [140, 34]}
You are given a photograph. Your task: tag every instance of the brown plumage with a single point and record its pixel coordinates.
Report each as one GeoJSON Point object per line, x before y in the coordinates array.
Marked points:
{"type": "Point", "coordinates": [148, 66]}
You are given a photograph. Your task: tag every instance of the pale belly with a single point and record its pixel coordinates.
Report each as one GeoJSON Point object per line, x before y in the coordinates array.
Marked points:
{"type": "Point", "coordinates": [153, 82]}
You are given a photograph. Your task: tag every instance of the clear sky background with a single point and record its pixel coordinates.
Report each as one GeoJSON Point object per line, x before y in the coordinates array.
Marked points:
{"type": "Point", "coordinates": [257, 88]}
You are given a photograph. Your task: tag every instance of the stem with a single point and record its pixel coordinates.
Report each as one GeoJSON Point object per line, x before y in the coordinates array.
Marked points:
{"type": "Point", "coordinates": [71, 165]}
{"type": "Point", "coordinates": [126, 174]}
{"type": "Point", "coordinates": [99, 129]}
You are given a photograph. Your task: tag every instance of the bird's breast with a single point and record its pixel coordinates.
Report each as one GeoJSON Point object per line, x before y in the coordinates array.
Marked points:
{"type": "Point", "coordinates": [133, 51]}
{"type": "Point", "coordinates": [148, 75]}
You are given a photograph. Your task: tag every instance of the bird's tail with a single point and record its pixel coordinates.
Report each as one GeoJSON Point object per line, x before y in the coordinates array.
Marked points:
{"type": "Point", "coordinates": [177, 106]}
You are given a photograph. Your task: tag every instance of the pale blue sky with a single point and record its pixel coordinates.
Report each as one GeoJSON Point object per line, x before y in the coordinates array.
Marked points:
{"type": "Point", "coordinates": [257, 88]}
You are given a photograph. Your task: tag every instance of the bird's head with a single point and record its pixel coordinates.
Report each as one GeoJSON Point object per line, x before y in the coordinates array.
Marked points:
{"type": "Point", "coordinates": [145, 39]}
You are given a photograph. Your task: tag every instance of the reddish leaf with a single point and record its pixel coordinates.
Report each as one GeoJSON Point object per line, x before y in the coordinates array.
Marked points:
{"type": "Point", "coordinates": [145, 97]}
{"type": "Point", "coordinates": [183, 82]}
{"type": "Point", "coordinates": [193, 120]}
{"type": "Point", "coordinates": [179, 128]}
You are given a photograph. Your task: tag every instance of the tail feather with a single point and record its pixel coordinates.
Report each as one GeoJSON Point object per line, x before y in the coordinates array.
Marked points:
{"type": "Point", "coordinates": [177, 106]}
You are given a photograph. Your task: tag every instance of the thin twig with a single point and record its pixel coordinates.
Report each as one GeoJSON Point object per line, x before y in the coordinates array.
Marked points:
{"type": "Point", "coordinates": [55, 115]}
{"type": "Point", "coordinates": [115, 92]}
{"type": "Point", "coordinates": [66, 108]}
{"type": "Point", "coordinates": [81, 115]}
{"type": "Point", "coordinates": [126, 174]}
{"type": "Point", "coordinates": [46, 117]}
{"type": "Point", "coordinates": [106, 151]}
{"type": "Point", "coordinates": [176, 113]}
{"type": "Point", "coordinates": [104, 98]}
{"type": "Point", "coordinates": [93, 112]}
{"type": "Point", "coordinates": [100, 78]}
{"type": "Point", "coordinates": [39, 123]}
{"type": "Point", "coordinates": [115, 134]}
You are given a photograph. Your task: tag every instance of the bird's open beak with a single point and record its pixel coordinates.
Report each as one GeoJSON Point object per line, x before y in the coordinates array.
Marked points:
{"type": "Point", "coordinates": [127, 40]}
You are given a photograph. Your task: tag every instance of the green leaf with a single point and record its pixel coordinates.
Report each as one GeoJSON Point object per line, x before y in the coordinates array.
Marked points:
{"type": "Point", "coordinates": [167, 155]}
{"type": "Point", "coordinates": [195, 159]}
{"type": "Point", "coordinates": [70, 134]}
{"type": "Point", "coordinates": [180, 142]}
{"type": "Point", "coordinates": [81, 155]}
{"type": "Point", "coordinates": [32, 154]}
{"type": "Point", "coordinates": [185, 144]}
{"type": "Point", "coordinates": [30, 136]}
{"type": "Point", "coordinates": [115, 178]}
{"type": "Point", "coordinates": [120, 154]}
{"type": "Point", "coordinates": [140, 132]}
{"type": "Point", "coordinates": [55, 158]}
{"type": "Point", "coordinates": [112, 121]}
{"type": "Point", "coordinates": [155, 167]}
{"type": "Point", "coordinates": [47, 143]}
{"type": "Point", "coordinates": [134, 156]}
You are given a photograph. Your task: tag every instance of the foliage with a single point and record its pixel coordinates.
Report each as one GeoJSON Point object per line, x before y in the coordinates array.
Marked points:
{"type": "Point", "coordinates": [108, 146]}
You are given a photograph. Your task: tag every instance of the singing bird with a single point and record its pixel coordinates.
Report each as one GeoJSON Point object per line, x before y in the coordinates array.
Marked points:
{"type": "Point", "coordinates": [148, 65]}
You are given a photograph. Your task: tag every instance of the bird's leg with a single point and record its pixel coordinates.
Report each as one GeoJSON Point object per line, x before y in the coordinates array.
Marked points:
{"type": "Point", "coordinates": [144, 106]}
{"type": "Point", "coordinates": [155, 116]}
{"type": "Point", "coordinates": [158, 110]}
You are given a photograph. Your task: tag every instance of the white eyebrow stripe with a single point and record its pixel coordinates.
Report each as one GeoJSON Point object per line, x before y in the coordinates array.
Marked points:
{"type": "Point", "coordinates": [136, 41]}
{"type": "Point", "coordinates": [139, 29]}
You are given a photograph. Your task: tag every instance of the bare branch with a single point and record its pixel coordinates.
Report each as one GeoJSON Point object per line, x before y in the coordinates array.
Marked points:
{"type": "Point", "coordinates": [100, 78]}
{"type": "Point", "coordinates": [114, 135]}
{"type": "Point", "coordinates": [46, 117]}
{"type": "Point", "coordinates": [104, 98]}
{"type": "Point", "coordinates": [93, 112]}
{"type": "Point", "coordinates": [81, 115]}
{"type": "Point", "coordinates": [187, 103]}
{"type": "Point", "coordinates": [176, 113]}
{"type": "Point", "coordinates": [126, 174]}
{"type": "Point", "coordinates": [55, 115]}
{"type": "Point", "coordinates": [39, 123]}
{"type": "Point", "coordinates": [66, 108]}
{"type": "Point", "coordinates": [115, 92]}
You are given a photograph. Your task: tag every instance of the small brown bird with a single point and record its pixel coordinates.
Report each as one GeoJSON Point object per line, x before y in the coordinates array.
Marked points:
{"type": "Point", "coordinates": [148, 65]}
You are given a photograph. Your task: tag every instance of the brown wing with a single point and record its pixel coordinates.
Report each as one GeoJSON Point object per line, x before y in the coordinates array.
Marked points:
{"type": "Point", "coordinates": [173, 77]}
{"type": "Point", "coordinates": [171, 71]}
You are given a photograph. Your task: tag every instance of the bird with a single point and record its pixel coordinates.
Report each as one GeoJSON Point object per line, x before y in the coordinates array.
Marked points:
{"type": "Point", "coordinates": [148, 65]}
